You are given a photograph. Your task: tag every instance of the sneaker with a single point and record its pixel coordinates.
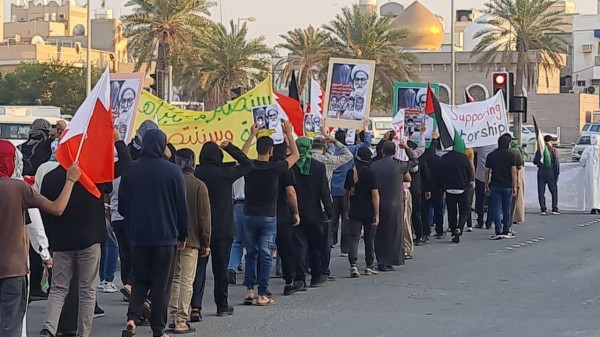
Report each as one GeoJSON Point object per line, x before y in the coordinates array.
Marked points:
{"type": "Point", "coordinates": [110, 288]}
{"type": "Point", "coordinates": [294, 288]}
{"type": "Point", "coordinates": [231, 276]}
{"type": "Point", "coordinates": [46, 333]}
{"type": "Point", "coordinates": [344, 255]}
{"type": "Point", "coordinates": [498, 237]}
{"type": "Point", "coordinates": [544, 213]}
{"type": "Point", "coordinates": [469, 229]}
{"type": "Point", "coordinates": [318, 281]}
{"type": "Point", "coordinates": [226, 311]}
{"type": "Point", "coordinates": [98, 312]}
{"type": "Point", "coordinates": [555, 212]}
{"type": "Point", "coordinates": [509, 235]}
{"type": "Point", "coordinates": [370, 271]}
{"type": "Point", "coordinates": [196, 316]}
{"type": "Point", "coordinates": [101, 286]}
{"type": "Point", "coordinates": [354, 273]}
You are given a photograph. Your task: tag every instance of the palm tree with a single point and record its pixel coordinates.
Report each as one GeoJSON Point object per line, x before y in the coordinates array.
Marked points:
{"type": "Point", "coordinates": [308, 53]}
{"type": "Point", "coordinates": [226, 59]}
{"type": "Point", "coordinates": [521, 27]}
{"type": "Point", "coordinates": [164, 27]}
{"type": "Point", "coordinates": [355, 34]}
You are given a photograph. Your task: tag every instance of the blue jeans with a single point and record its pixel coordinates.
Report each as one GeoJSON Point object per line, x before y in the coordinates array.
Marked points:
{"type": "Point", "coordinates": [500, 203]}
{"type": "Point", "coordinates": [260, 243]}
{"type": "Point", "coordinates": [237, 248]}
{"type": "Point", "coordinates": [108, 261]}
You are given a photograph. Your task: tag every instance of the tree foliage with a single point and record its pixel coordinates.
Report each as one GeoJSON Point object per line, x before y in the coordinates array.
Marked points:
{"type": "Point", "coordinates": [520, 27]}
{"type": "Point", "coordinates": [53, 83]}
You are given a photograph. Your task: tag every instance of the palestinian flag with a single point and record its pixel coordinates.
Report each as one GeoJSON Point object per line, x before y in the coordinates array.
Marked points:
{"type": "Point", "coordinates": [546, 157]}
{"type": "Point", "coordinates": [468, 97]}
{"type": "Point", "coordinates": [449, 137]}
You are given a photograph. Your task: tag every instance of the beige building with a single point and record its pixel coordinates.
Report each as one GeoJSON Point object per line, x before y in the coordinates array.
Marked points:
{"type": "Point", "coordinates": [38, 33]}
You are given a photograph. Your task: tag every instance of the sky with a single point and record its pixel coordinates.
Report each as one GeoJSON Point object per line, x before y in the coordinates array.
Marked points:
{"type": "Point", "coordinates": [276, 17]}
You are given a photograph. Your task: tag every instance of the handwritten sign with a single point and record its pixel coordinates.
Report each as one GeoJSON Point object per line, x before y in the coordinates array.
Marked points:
{"type": "Point", "coordinates": [192, 129]}
{"type": "Point", "coordinates": [480, 123]}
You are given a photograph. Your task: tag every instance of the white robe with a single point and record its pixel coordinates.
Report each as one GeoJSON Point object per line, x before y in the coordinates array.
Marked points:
{"type": "Point", "coordinates": [590, 160]}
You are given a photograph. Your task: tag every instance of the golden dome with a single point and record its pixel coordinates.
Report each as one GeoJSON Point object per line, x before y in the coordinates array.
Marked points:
{"type": "Point", "coordinates": [425, 30]}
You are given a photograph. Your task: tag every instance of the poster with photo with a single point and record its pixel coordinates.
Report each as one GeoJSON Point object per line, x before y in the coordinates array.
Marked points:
{"type": "Point", "coordinates": [312, 125]}
{"type": "Point", "coordinates": [409, 100]}
{"type": "Point", "coordinates": [125, 92]}
{"type": "Point", "coordinates": [269, 121]}
{"type": "Point", "coordinates": [348, 96]}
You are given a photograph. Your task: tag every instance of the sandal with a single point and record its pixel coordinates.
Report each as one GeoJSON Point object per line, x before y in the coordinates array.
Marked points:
{"type": "Point", "coordinates": [183, 332]}
{"type": "Point", "coordinates": [249, 299]}
{"type": "Point", "coordinates": [265, 304]}
{"type": "Point", "coordinates": [129, 330]}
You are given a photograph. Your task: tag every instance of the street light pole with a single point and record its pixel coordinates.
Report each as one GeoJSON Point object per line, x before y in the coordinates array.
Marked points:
{"type": "Point", "coordinates": [88, 58]}
{"type": "Point", "coordinates": [239, 22]}
{"type": "Point", "coordinates": [452, 56]}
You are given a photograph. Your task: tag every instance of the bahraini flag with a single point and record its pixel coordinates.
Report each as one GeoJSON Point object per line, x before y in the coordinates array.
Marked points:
{"type": "Point", "coordinates": [89, 138]}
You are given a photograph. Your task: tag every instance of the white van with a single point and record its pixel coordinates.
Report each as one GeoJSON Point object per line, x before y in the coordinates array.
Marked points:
{"type": "Point", "coordinates": [379, 126]}
{"type": "Point", "coordinates": [16, 129]}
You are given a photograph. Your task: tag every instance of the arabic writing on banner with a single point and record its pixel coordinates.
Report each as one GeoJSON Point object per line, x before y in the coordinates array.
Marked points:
{"type": "Point", "coordinates": [479, 123]}
{"type": "Point", "coordinates": [192, 129]}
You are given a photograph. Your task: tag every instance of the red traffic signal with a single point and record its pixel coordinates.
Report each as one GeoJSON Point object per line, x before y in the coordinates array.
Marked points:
{"type": "Point", "coordinates": [499, 79]}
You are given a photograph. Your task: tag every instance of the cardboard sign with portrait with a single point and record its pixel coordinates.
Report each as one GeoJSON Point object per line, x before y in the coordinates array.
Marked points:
{"type": "Point", "coordinates": [349, 89]}
{"type": "Point", "coordinates": [125, 90]}
{"type": "Point", "coordinates": [312, 125]}
{"type": "Point", "coordinates": [269, 122]}
{"type": "Point", "coordinates": [409, 100]}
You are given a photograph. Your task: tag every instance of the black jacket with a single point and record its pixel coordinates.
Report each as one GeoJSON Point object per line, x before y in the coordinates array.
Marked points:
{"type": "Point", "coordinates": [219, 179]}
{"type": "Point", "coordinates": [35, 155]}
{"type": "Point", "coordinates": [82, 223]}
{"type": "Point", "coordinates": [152, 197]}
{"type": "Point", "coordinates": [313, 191]}
{"type": "Point", "coordinates": [457, 171]}
{"type": "Point", "coordinates": [433, 161]}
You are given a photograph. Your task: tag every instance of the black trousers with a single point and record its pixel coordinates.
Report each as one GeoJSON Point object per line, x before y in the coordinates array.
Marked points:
{"type": "Point", "coordinates": [326, 247]}
{"type": "Point", "coordinates": [356, 227]}
{"type": "Point", "coordinates": [153, 268]}
{"type": "Point", "coordinates": [36, 270]}
{"type": "Point", "coordinates": [124, 251]}
{"type": "Point", "coordinates": [470, 194]}
{"type": "Point", "coordinates": [545, 177]}
{"type": "Point", "coordinates": [307, 237]}
{"type": "Point", "coordinates": [417, 216]}
{"type": "Point", "coordinates": [480, 201]}
{"type": "Point", "coordinates": [284, 250]}
{"type": "Point", "coordinates": [339, 208]}
{"type": "Point", "coordinates": [220, 250]}
{"type": "Point", "coordinates": [13, 301]}
{"type": "Point", "coordinates": [458, 210]}
{"type": "Point", "coordinates": [436, 201]}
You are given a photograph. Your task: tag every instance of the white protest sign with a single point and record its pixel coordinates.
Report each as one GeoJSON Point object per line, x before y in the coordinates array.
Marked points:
{"type": "Point", "coordinates": [479, 123]}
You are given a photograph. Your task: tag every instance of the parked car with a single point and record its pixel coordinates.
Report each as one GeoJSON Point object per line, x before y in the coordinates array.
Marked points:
{"type": "Point", "coordinates": [528, 133]}
{"type": "Point", "coordinates": [580, 145]}
{"type": "Point", "coordinates": [590, 129]}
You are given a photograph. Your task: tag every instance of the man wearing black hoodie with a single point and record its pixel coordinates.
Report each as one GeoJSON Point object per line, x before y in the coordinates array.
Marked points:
{"type": "Point", "coordinates": [219, 180]}
{"type": "Point", "coordinates": [457, 182]}
{"type": "Point", "coordinates": [152, 199]}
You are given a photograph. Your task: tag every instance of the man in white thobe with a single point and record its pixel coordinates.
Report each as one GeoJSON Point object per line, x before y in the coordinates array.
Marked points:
{"type": "Point", "coordinates": [590, 160]}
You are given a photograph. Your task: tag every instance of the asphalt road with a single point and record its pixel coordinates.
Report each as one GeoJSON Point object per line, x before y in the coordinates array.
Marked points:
{"type": "Point", "coordinates": [542, 283]}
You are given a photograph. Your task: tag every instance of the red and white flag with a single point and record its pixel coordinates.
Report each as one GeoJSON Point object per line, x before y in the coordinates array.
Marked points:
{"type": "Point", "coordinates": [316, 98]}
{"type": "Point", "coordinates": [292, 110]}
{"type": "Point", "coordinates": [89, 138]}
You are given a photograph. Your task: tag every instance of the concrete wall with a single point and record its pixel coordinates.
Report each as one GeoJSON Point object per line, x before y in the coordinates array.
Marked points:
{"type": "Point", "coordinates": [31, 29]}
{"type": "Point", "coordinates": [566, 111]}
{"type": "Point", "coordinates": [72, 15]}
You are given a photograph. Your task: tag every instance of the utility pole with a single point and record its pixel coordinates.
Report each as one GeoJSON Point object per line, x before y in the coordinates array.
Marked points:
{"type": "Point", "coordinates": [452, 56]}
{"type": "Point", "coordinates": [170, 84]}
{"type": "Point", "coordinates": [88, 57]}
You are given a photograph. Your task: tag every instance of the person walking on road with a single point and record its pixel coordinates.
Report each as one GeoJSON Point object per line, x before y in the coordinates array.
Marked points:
{"type": "Point", "coordinates": [152, 199]}
{"type": "Point", "coordinates": [548, 172]}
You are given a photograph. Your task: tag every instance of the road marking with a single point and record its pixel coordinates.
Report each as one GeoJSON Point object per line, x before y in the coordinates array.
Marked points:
{"type": "Point", "coordinates": [592, 300]}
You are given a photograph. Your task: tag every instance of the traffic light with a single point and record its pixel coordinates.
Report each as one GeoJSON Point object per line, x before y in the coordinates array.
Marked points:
{"type": "Point", "coordinates": [504, 80]}
{"type": "Point", "coordinates": [154, 82]}
{"type": "Point", "coordinates": [157, 87]}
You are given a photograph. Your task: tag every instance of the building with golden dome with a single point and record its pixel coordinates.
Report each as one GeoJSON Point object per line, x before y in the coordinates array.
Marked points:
{"type": "Point", "coordinates": [425, 29]}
